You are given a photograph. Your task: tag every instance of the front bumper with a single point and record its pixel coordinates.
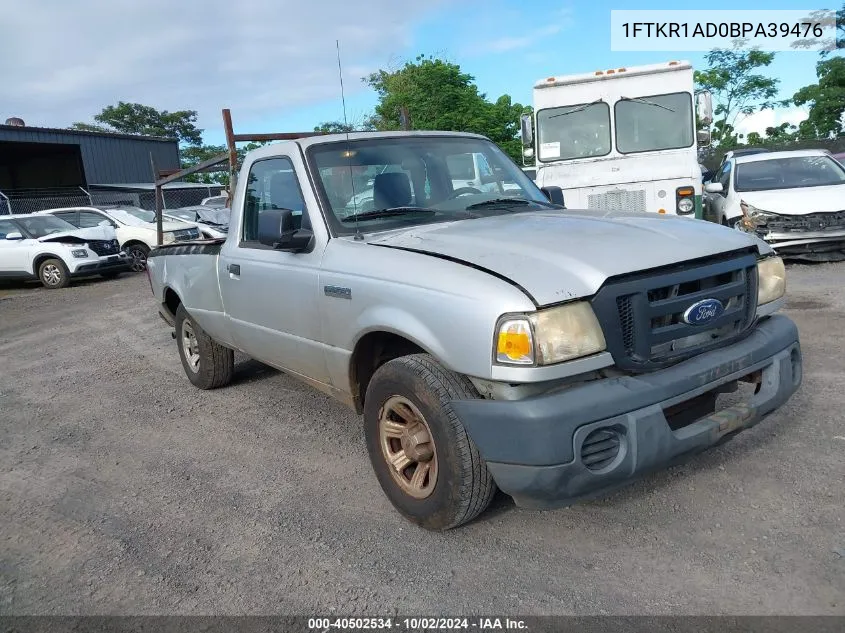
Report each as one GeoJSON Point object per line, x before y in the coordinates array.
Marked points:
{"type": "Point", "coordinates": [808, 246]}
{"type": "Point", "coordinates": [106, 264]}
{"type": "Point", "coordinates": [533, 447]}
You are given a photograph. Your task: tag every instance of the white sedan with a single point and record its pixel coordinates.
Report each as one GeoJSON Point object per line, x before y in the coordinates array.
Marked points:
{"type": "Point", "coordinates": [794, 200]}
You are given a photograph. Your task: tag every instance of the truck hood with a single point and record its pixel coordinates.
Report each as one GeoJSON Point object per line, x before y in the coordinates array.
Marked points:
{"type": "Point", "coordinates": [799, 201]}
{"type": "Point", "coordinates": [559, 255]}
{"type": "Point", "coordinates": [80, 236]}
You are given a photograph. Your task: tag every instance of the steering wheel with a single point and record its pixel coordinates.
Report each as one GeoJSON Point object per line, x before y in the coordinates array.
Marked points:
{"type": "Point", "coordinates": [462, 190]}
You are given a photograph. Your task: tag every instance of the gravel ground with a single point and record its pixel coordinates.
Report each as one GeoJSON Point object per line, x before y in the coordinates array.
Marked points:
{"type": "Point", "coordinates": [124, 490]}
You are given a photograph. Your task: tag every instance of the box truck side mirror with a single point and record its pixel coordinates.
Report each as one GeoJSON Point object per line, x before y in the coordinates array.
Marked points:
{"type": "Point", "coordinates": [704, 107]}
{"type": "Point", "coordinates": [526, 129]}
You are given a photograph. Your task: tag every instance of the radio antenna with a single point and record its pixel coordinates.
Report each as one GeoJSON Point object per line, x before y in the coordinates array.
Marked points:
{"type": "Point", "coordinates": [348, 152]}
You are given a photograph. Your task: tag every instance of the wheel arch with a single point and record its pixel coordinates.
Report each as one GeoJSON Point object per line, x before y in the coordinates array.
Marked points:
{"type": "Point", "coordinates": [171, 300]}
{"type": "Point", "coordinates": [135, 241]}
{"type": "Point", "coordinates": [372, 350]}
{"type": "Point", "coordinates": [39, 259]}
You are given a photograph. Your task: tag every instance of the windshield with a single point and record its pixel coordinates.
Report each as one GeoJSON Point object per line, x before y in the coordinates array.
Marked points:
{"type": "Point", "coordinates": [41, 225]}
{"type": "Point", "coordinates": [788, 173]}
{"type": "Point", "coordinates": [649, 124]}
{"type": "Point", "coordinates": [573, 131]}
{"type": "Point", "coordinates": [421, 179]}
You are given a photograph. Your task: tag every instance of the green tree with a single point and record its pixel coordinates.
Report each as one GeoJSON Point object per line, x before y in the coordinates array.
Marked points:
{"type": "Point", "coordinates": [736, 87]}
{"type": "Point", "coordinates": [785, 132]}
{"type": "Point", "coordinates": [754, 138]}
{"type": "Point", "coordinates": [437, 95]}
{"type": "Point", "coordinates": [195, 154]}
{"type": "Point", "coordinates": [135, 118]}
{"type": "Point", "coordinates": [334, 127]}
{"type": "Point", "coordinates": [826, 100]}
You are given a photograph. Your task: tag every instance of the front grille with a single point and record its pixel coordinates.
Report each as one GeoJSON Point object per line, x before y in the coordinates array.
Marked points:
{"type": "Point", "coordinates": [600, 448]}
{"type": "Point", "coordinates": [642, 315]}
{"type": "Point", "coordinates": [104, 247]}
{"type": "Point", "coordinates": [618, 200]}
{"type": "Point", "coordinates": [183, 235]}
{"type": "Point", "coordinates": [812, 222]}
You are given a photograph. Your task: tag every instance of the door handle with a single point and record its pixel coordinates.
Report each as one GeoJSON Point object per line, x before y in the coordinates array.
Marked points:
{"type": "Point", "coordinates": [234, 269]}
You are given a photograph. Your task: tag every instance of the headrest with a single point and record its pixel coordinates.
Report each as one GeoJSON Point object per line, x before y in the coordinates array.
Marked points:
{"type": "Point", "coordinates": [391, 190]}
{"type": "Point", "coordinates": [284, 191]}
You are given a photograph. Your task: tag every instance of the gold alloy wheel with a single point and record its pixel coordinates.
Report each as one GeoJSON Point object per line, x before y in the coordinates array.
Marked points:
{"type": "Point", "coordinates": [408, 447]}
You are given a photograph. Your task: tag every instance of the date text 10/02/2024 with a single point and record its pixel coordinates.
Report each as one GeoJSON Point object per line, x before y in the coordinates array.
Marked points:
{"type": "Point", "coordinates": [416, 624]}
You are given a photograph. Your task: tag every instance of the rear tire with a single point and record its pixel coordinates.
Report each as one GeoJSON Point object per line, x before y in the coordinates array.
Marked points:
{"type": "Point", "coordinates": [53, 274]}
{"type": "Point", "coordinates": [138, 255]}
{"type": "Point", "coordinates": [207, 364]}
{"type": "Point", "coordinates": [410, 425]}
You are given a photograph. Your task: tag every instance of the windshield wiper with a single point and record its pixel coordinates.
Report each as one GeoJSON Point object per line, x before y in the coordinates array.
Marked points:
{"type": "Point", "coordinates": [651, 103]}
{"type": "Point", "coordinates": [578, 109]}
{"type": "Point", "coordinates": [499, 202]}
{"type": "Point", "coordinates": [511, 202]}
{"type": "Point", "coordinates": [386, 213]}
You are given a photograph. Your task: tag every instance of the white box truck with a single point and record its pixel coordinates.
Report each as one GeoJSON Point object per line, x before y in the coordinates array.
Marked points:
{"type": "Point", "coordinates": [622, 139]}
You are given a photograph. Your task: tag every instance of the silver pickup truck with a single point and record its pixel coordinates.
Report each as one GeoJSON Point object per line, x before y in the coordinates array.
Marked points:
{"type": "Point", "coordinates": [490, 337]}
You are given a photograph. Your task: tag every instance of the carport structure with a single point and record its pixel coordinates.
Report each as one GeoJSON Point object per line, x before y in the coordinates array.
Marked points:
{"type": "Point", "coordinates": [215, 164]}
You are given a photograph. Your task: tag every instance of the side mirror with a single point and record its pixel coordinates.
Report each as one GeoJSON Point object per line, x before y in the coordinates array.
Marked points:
{"type": "Point", "coordinates": [554, 194]}
{"type": "Point", "coordinates": [703, 138]}
{"type": "Point", "coordinates": [526, 129]}
{"type": "Point", "coordinates": [106, 223]}
{"type": "Point", "coordinates": [14, 235]}
{"type": "Point", "coordinates": [276, 230]}
{"type": "Point", "coordinates": [704, 107]}
{"type": "Point", "coordinates": [713, 187]}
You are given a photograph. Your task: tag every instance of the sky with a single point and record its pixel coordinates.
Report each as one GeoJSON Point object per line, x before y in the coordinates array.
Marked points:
{"type": "Point", "coordinates": [274, 63]}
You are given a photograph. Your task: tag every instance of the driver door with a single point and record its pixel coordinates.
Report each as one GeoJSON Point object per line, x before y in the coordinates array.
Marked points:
{"type": "Point", "coordinates": [271, 296]}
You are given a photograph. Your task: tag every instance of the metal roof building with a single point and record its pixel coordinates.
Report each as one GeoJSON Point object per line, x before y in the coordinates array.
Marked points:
{"type": "Point", "coordinates": [33, 158]}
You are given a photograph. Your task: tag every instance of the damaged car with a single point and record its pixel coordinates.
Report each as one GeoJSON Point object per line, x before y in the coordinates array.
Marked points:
{"type": "Point", "coordinates": [793, 200]}
{"type": "Point", "coordinates": [48, 249]}
{"type": "Point", "coordinates": [212, 222]}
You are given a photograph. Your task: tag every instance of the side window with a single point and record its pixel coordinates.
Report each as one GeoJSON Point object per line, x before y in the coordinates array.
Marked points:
{"type": "Point", "coordinates": [725, 177]}
{"type": "Point", "coordinates": [6, 227]}
{"type": "Point", "coordinates": [68, 216]}
{"type": "Point", "coordinates": [272, 184]}
{"type": "Point", "coordinates": [88, 219]}
{"type": "Point", "coordinates": [483, 166]}
{"type": "Point", "coordinates": [460, 166]}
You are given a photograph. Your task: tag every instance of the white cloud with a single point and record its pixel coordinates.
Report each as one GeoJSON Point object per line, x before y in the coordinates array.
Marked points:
{"type": "Point", "coordinates": [64, 61]}
{"type": "Point", "coordinates": [759, 121]}
{"type": "Point", "coordinates": [555, 23]}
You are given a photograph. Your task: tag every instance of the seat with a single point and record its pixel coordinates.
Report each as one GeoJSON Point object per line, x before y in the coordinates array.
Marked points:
{"type": "Point", "coordinates": [390, 190]}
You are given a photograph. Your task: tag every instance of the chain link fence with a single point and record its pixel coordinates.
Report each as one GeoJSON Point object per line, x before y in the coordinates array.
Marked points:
{"type": "Point", "coordinates": [30, 201]}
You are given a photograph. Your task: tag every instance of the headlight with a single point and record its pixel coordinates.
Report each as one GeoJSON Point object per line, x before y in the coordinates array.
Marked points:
{"type": "Point", "coordinates": [684, 200]}
{"type": "Point", "coordinates": [685, 205]}
{"type": "Point", "coordinates": [549, 336]}
{"type": "Point", "coordinates": [754, 219]}
{"type": "Point", "coordinates": [771, 280]}
{"type": "Point", "coordinates": [80, 253]}
{"type": "Point", "coordinates": [168, 238]}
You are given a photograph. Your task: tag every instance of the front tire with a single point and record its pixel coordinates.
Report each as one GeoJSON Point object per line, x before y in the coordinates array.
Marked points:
{"type": "Point", "coordinates": [138, 255]}
{"type": "Point", "coordinates": [423, 458]}
{"type": "Point", "coordinates": [53, 274]}
{"type": "Point", "coordinates": [207, 364]}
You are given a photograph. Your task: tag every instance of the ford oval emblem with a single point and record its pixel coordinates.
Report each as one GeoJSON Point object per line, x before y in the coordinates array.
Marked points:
{"type": "Point", "coordinates": [703, 312]}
